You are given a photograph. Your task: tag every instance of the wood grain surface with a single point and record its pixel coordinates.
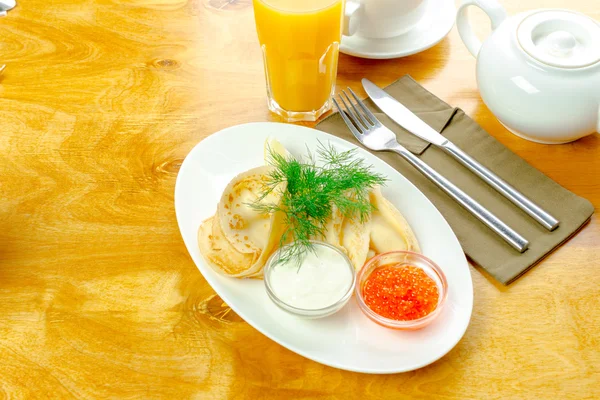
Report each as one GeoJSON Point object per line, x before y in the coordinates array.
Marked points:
{"type": "Point", "coordinates": [102, 99]}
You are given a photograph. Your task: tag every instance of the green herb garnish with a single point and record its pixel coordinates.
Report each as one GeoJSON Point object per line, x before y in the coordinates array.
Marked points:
{"type": "Point", "coordinates": [311, 191]}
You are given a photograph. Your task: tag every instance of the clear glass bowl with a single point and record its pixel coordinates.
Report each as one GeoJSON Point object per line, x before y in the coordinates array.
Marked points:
{"type": "Point", "coordinates": [303, 312]}
{"type": "Point", "coordinates": [399, 259]}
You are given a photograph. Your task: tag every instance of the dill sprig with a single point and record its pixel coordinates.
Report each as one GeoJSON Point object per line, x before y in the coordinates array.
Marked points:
{"type": "Point", "coordinates": [311, 191]}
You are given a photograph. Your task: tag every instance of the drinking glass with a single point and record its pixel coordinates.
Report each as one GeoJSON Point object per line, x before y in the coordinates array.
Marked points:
{"type": "Point", "coordinates": [300, 45]}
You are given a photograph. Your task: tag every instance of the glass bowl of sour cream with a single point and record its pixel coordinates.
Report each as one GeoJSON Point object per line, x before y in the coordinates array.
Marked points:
{"type": "Point", "coordinates": [315, 286]}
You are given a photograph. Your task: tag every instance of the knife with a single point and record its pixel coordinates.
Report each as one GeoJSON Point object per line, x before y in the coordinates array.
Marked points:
{"type": "Point", "coordinates": [415, 125]}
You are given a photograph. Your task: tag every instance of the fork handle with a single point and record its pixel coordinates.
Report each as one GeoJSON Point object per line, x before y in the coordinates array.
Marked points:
{"type": "Point", "coordinates": [481, 213]}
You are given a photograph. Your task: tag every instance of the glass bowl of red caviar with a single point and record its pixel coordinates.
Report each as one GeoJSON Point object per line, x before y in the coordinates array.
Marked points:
{"type": "Point", "coordinates": [401, 290]}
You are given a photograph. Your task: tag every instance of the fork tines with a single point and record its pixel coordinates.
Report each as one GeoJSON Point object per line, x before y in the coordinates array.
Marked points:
{"type": "Point", "coordinates": [358, 122]}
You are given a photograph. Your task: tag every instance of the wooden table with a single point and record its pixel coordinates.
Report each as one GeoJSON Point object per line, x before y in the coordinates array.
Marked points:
{"type": "Point", "coordinates": [101, 101]}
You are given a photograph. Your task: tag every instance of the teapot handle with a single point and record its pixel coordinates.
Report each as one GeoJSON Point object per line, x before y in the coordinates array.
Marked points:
{"type": "Point", "coordinates": [492, 8]}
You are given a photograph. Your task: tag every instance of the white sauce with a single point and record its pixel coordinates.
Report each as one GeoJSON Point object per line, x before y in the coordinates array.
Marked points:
{"type": "Point", "coordinates": [322, 279]}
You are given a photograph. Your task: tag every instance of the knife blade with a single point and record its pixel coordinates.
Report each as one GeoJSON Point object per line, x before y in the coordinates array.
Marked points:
{"type": "Point", "coordinates": [402, 115]}
{"type": "Point", "coordinates": [415, 125]}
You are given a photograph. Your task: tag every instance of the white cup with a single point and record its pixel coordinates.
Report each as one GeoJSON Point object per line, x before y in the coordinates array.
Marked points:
{"type": "Point", "coordinates": [382, 19]}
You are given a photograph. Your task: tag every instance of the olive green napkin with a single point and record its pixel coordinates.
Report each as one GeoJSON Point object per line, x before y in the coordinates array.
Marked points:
{"type": "Point", "coordinates": [482, 245]}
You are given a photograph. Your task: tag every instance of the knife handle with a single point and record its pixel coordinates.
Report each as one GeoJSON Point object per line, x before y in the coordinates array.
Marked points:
{"type": "Point", "coordinates": [481, 213]}
{"type": "Point", "coordinates": [512, 194]}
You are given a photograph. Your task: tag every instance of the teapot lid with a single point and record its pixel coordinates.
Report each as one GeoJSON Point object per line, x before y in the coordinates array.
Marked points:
{"type": "Point", "coordinates": [560, 38]}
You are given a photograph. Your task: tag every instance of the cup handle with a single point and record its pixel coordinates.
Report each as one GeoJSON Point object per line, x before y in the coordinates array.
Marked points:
{"type": "Point", "coordinates": [350, 21]}
{"type": "Point", "coordinates": [492, 8]}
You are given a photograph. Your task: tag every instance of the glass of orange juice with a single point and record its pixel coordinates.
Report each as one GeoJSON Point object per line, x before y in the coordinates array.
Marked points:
{"type": "Point", "coordinates": [300, 41]}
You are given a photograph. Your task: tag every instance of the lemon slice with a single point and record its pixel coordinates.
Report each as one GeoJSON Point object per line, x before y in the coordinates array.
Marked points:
{"type": "Point", "coordinates": [276, 147]}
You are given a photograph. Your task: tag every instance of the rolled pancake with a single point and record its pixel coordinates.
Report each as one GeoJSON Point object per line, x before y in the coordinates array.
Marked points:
{"type": "Point", "coordinates": [243, 226]}
{"type": "Point", "coordinates": [389, 230]}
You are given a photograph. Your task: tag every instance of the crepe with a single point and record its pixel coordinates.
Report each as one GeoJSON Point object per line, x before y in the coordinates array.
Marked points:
{"type": "Point", "coordinates": [238, 240]}
{"type": "Point", "coordinates": [389, 229]}
{"type": "Point", "coordinates": [246, 228]}
{"type": "Point", "coordinates": [349, 235]}
{"type": "Point", "coordinates": [219, 253]}
{"type": "Point", "coordinates": [355, 241]}
{"type": "Point", "coordinates": [385, 229]}
{"type": "Point", "coordinates": [274, 146]}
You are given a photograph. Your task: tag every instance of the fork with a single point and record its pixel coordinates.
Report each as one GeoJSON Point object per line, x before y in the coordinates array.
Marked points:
{"type": "Point", "coordinates": [374, 136]}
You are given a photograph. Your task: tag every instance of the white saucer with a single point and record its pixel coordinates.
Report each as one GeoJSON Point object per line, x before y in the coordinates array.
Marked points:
{"type": "Point", "coordinates": [433, 27]}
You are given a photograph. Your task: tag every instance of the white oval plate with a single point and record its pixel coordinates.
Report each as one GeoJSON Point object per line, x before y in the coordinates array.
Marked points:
{"type": "Point", "coordinates": [348, 339]}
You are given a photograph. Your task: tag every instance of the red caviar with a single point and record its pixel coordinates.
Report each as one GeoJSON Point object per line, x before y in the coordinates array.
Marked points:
{"type": "Point", "coordinates": [402, 293]}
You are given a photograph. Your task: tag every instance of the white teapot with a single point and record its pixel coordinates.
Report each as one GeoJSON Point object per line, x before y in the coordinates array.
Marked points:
{"type": "Point", "coordinates": [539, 71]}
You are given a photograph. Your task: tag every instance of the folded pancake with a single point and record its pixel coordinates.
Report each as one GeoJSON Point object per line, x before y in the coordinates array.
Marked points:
{"type": "Point", "coordinates": [349, 235]}
{"type": "Point", "coordinates": [355, 240]}
{"type": "Point", "coordinates": [389, 230]}
{"type": "Point", "coordinates": [219, 254]}
{"type": "Point", "coordinates": [223, 257]}
{"type": "Point", "coordinates": [246, 228]}
{"type": "Point", "coordinates": [274, 146]}
{"type": "Point", "coordinates": [238, 240]}
{"type": "Point", "coordinates": [332, 232]}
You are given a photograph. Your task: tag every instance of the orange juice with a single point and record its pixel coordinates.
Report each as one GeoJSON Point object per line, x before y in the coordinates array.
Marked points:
{"type": "Point", "coordinates": [300, 41]}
